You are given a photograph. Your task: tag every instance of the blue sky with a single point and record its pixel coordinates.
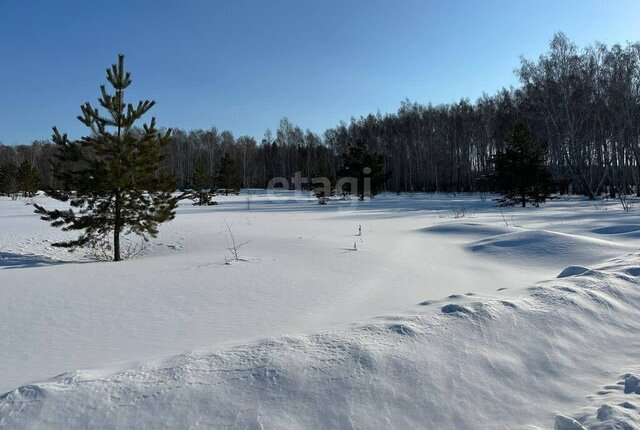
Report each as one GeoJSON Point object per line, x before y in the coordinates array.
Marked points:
{"type": "Point", "coordinates": [242, 65]}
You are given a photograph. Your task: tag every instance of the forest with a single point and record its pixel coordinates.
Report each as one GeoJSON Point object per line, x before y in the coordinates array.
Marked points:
{"type": "Point", "coordinates": [583, 103]}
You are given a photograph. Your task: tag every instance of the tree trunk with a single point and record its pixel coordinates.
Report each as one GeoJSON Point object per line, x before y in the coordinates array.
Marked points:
{"type": "Point", "coordinates": [116, 230]}
{"type": "Point", "coordinates": [637, 179]}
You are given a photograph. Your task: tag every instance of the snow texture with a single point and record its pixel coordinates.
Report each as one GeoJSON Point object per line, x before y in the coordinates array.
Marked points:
{"type": "Point", "coordinates": [434, 323]}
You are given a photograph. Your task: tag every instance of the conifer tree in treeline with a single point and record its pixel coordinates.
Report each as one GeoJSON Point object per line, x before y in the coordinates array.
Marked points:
{"type": "Point", "coordinates": [28, 179]}
{"type": "Point", "coordinates": [111, 177]}
{"type": "Point", "coordinates": [521, 175]}
{"type": "Point", "coordinates": [366, 167]}
{"type": "Point", "coordinates": [201, 184]}
{"type": "Point", "coordinates": [324, 182]}
{"type": "Point", "coordinates": [227, 177]}
{"type": "Point", "coordinates": [8, 179]}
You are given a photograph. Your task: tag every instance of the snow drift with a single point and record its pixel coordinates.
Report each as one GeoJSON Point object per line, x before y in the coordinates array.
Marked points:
{"type": "Point", "coordinates": [468, 229]}
{"type": "Point", "coordinates": [541, 246]}
{"type": "Point", "coordinates": [615, 406]}
{"type": "Point", "coordinates": [505, 362]}
{"type": "Point", "coordinates": [628, 230]}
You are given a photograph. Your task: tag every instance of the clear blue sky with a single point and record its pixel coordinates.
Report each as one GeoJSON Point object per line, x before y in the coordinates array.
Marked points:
{"type": "Point", "coordinates": [242, 65]}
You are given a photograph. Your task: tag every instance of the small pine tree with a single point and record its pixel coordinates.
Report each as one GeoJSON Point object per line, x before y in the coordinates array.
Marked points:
{"type": "Point", "coordinates": [28, 179]}
{"type": "Point", "coordinates": [366, 167]}
{"type": "Point", "coordinates": [201, 182]}
{"type": "Point", "coordinates": [8, 179]}
{"type": "Point", "coordinates": [227, 177]}
{"type": "Point", "coordinates": [111, 178]}
{"type": "Point", "coordinates": [521, 175]}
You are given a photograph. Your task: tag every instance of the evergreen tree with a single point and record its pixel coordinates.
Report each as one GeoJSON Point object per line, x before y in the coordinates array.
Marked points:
{"type": "Point", "coordinates": [324, 171]}
{"type": "Point", "coordinates": [111, 177]}
{"type": "Point", "coordinates": [201, 186]}
{"type": "Point", "coordinates": [227, 177]}
{"type": "Point", "coordinates": [366, 167]}
{"type": "Point", "coordinates": [521, 175]}
{"type": "Point", "coordinates": [8, 179]}
{"type": "Point", "coordinates": [324, 182]}
{"type": "Point", "coordinates": [28, 179]}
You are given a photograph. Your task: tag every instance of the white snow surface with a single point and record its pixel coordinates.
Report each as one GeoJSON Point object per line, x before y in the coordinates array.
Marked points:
{"type": "Point", "coordinates": [435, 322]}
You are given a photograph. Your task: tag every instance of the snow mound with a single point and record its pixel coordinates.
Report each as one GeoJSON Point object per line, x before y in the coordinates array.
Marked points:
{"type": "Point", "coordinates": [408, 371]}
{"type": "Point", "coordinates": [567, 423]}
{"type": "Point", "coordinates": [572, 271]}
{"type": "Point", "coordinates": [619, 229]}
{"type": "Point", "coordinates": [542, 246]}
{"type": "Point", "coordinates": [455, 309]}
{"type": "Point", "coordinates": [631, 384]}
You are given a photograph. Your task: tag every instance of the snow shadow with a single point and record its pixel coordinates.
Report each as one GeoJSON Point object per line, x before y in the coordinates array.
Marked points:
{"type": "Point", "coordinates": [10, 260]}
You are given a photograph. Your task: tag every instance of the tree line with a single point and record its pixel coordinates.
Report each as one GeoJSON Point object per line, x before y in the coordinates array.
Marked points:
{"type": "Point", "coordinates": [584, 105]}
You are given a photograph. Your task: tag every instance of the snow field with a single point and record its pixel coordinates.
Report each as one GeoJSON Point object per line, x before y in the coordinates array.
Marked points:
{"type": "Point", "coordinates": [434, 322]}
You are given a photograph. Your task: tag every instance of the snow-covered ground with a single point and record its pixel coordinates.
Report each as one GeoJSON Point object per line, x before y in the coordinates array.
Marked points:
{"type": "Point", "coordinates": [448, 315]}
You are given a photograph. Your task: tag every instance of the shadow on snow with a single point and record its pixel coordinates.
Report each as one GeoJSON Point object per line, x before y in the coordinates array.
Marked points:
{"type": "Point", "coordinates": [10, 260]}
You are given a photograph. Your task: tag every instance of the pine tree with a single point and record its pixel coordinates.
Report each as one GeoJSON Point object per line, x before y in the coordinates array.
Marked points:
{"type": "Point", "coordinates": [111, 177]}
{"type": "Point", "coordinates": [28, 179]}
{"type": "Point", "coordinates": [521, 175]}
{"type": "Point", "coordinates": [366, 167]}
{"type": "Point", "coordinates": [227, 177]}
{"type": "Point", "coordinates": [8, 179]}
{"type": "Point", "coordinates": [201, 183]}
{"type": "Point", "coordinates": [324, 182]}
